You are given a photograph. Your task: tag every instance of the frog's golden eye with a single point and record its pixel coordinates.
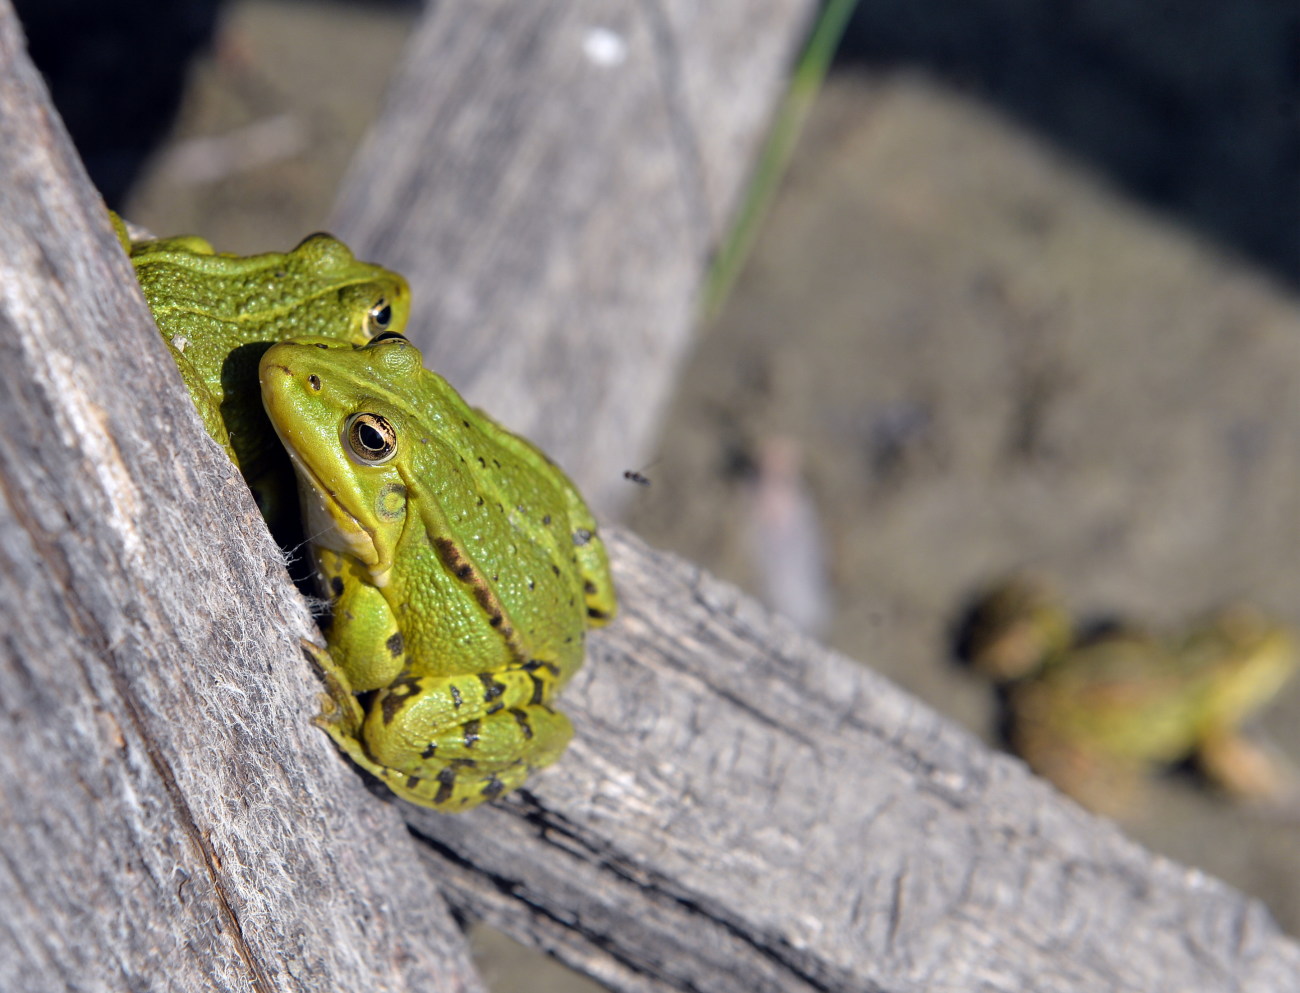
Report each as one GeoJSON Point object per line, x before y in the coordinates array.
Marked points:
{"type": "Point", "coordinates": [370, 439]}
{"type": "Point", "coordinates": [379, 317]}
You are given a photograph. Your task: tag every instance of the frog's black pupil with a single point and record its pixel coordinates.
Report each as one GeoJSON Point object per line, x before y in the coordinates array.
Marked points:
{"type": "Point", "coordinates": [381, 314]}
{"type": "Point", "coordinates": [370, 437]}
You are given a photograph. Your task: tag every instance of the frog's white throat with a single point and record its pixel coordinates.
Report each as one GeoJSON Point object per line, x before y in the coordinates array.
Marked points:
{"type": "Point", "coordinates": [328, 524]}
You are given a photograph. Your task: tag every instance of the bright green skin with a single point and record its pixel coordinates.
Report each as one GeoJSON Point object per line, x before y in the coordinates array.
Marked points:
{"type": "Point", "coordinates": [1096, 713]}
{"type": "Point", "coordinates": [464, 572]}
{"type": "Point", "coordinates": [218, 313]}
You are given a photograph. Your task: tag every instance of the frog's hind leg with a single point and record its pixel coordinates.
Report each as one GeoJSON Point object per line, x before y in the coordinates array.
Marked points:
{"type": "Point", "coordinates": [1243, 768]}
{"type": "Point", "coordinates": [452, 742]}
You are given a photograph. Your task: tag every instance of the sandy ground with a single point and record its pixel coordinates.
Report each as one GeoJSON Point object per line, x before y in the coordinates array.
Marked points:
{"type": "Point", "coordinates": [982, 352]}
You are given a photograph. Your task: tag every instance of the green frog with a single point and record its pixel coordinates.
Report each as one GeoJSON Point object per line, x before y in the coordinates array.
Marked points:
{"type": "Point", "coordinates": [463, 566]}
{"type": "Point", "coordinates": [218, 313]}
{"type": "Point", "coordinates": [1097, 710]}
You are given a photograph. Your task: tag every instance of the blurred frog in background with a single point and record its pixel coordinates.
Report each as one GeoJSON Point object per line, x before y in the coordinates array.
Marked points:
{"type": "Point", "coordinates": [1097, 709]}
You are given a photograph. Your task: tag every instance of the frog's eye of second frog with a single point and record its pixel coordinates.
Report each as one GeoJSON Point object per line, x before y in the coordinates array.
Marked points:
{"type": "Point", "coordinates": [379, 317]}
{"type": "Point", "coordinates": [388, 336]}
{"type": "Point", "coordinates": [370, 439]}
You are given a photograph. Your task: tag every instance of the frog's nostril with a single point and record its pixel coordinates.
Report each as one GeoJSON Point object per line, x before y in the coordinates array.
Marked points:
{"type": "Point", "coordinates": [314, 382]}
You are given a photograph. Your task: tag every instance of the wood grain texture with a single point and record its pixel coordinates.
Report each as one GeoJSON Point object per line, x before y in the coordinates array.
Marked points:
{"type": "Point", "coordinates": [552, 177]}
{"type": "Point", "coordinates": [169, 819]}
{"type": "Point", "coordinates": [743, 810]}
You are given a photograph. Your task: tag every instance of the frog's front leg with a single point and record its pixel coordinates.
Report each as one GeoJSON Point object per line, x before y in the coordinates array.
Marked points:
{"type": "Point", "coordinates": [452, 742]}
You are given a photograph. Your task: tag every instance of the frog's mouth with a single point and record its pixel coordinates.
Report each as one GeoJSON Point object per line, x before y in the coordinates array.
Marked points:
{"type": "Point", "coordinates": [326, 521]}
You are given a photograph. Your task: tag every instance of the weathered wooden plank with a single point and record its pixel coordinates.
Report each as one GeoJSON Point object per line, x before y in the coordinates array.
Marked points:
{"type": "Point", "coordinates": [741, 810]}
{"type": "Point", "coordinates": [744, 810]}
{"type": "Point", "coordinates": [552, 177]}
{"type": "Point", "coordinates": [169, 819]}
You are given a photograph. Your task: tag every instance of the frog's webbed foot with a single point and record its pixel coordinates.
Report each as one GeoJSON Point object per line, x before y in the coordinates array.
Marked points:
{"type": "Point", "coordinates": [341, 713]}
{"type": "Point", "coordinates": [452, 742]}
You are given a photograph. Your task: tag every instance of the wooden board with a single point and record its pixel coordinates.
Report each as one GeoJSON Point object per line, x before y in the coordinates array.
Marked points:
{"type": "Point", "coordinates": [741, 810]}
{"type": "Point", "coordinates": [169, 818]}
{"type": "Point", "coordinates": [553, 177]}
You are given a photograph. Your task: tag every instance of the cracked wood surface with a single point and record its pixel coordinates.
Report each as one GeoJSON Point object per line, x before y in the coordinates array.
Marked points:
{"type": "Point", "coordinates": [169, 819]}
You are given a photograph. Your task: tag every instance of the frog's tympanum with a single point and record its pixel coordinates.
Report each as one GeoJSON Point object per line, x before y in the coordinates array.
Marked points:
{"type": "Point", "coordinates": [219, 313]}
{"type": "Point", "coordinates": [1095, 711]}
{"type": "Point", "coordinates": [463, 566]}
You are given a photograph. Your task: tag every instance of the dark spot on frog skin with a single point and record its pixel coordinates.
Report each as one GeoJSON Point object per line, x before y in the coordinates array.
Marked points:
{"type": "Point", "coordinates": [491, 688]}
{"type": "Point", "coordinates": [456, 698]}
{"type": "Point", "coordinates": [430, 750]}
{"type": "Point", "coordinates": [589, 587]}
{"type": "Point", "coordinates": [412, 782]}
{"type": "Point", "coordinates": [546, 519]}
{"type": "Point", "coordinates": [582, 536]}
{"type": "Point", "coordinates": [396, 644]}
{"type": "Point", "coordinates": [482, 461]}
{"type": "Point", "coordinates": [522, 720]}
{"type": "Point", "coordinates": [402, 690]}
{"type": "Point", "coordinates": [470, 730]}
{"type": "Point", "coordinates": [336, 585]}
{"type": "Point", "coordinates": [493, 788]}
{"type": "Point", "coordinates": [539, 692]}
{"type": "Point", "coordinates": [531, 584]}
{"type": "Point", "coordinates": [555, 568]}
{"type": "Point", "coordinates": [446, 783]}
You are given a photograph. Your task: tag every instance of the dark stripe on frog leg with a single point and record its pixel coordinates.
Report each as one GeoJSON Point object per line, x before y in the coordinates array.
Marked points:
{"type": "Point", "coordinates": [470, 731]}
{"type": "Point", "coordinates": [539, 686]}
{"type": "Point", "coordinates": [403, 688]}
{"type": "Point", "coordinates": [395, 644]}
{"type": "Point", "coordinates": [446, 784]}
{"type": "Point", "coordinates": [491, 691]}
{"type": "Point", "coordinates": [522, 719]}
{"type": "Point", "coordinates": [493, 788]}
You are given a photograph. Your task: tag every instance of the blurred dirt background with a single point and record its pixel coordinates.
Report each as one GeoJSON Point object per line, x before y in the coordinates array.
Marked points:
{"type": "Point", "coordinates": [1027, 297]}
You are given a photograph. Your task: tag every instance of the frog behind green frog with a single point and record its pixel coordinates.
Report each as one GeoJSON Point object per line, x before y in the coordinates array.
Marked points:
{"type": "Point", "coordinates": [463, 565]}
{"type": "Point", "coordinates": [218, 313]}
